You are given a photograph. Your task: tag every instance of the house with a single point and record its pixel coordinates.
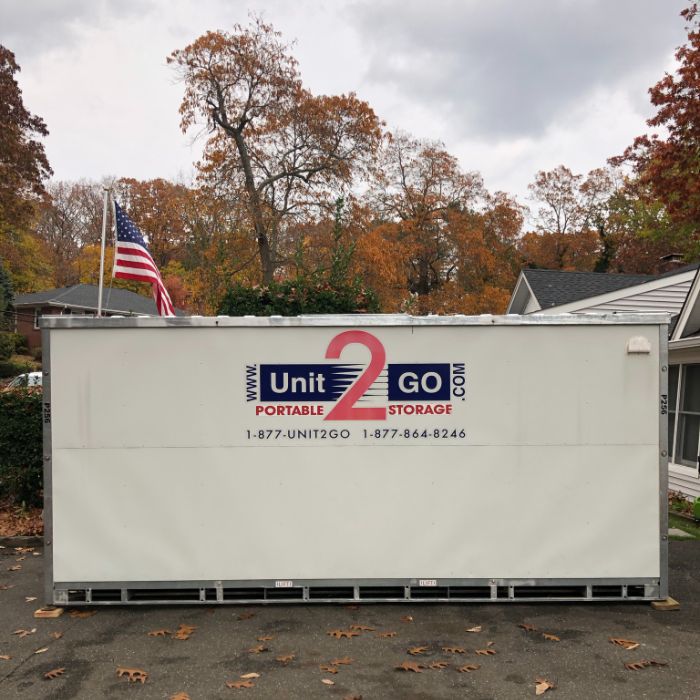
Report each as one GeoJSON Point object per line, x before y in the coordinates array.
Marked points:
{"type": "Point", "coordinates": [676, 292]}
{"type": "Point", "coordinates": [80, 299]}
{"type": "Point", "coordinates": [559, 291]}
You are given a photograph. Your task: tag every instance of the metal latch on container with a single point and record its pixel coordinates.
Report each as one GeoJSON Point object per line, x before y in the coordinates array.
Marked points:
{"type": "Point", "coordinates": [638, 345]}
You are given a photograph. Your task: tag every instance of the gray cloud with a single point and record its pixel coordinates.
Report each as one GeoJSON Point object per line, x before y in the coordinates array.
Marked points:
{"type": "Point", "coordinates": [508, 68]}
{"type": "Point", "coordinates": [32, 27]}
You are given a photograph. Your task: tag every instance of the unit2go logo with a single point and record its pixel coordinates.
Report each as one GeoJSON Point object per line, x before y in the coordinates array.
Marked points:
{"type": "Point", "coordinates": [337, 391]}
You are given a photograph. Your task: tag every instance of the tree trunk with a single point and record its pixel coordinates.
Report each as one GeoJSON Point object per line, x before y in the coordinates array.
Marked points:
{"type": "Point", "coordinates": [267, 266]}
{"type": "Point", "coordinates": [423, 277]}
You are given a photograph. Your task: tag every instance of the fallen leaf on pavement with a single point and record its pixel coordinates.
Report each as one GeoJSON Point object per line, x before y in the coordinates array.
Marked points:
{"type": "Point", "coordinates": [246, 616]}
{"type": "Point", "coordinates": [485, 652]}
{"type": "Point", "coordinates": [285, 658]}
{"type": "Point", "coordinates": [439, 665]}
{"type": "Point", "coordinates": [82, 614]}
{"type": "Point", "coordinates": [42, 650]}
{"type": "Point", "coordinates": [16, 567]}
{"type": "Point", "coordinates": [56, 635]}
{"type": "Point", "coordinates": [180, 696]}
{"type": "Point", "coordinates": [328, 669]}
{"type": "Point", "coordinates": [339, 634]}
{"type": "Point", "coordinates": [410, 666]}
{"type": "Point", "coordinates": [159, 633]}
{"type": "Point", "coordinates": [54, 673]}
{"type": "Point", "coordinates": [527, 627]}
{"type": "Point", "coordinates": [551, 637]}
{"type": "Point", "coordinates": [133, 675]}
{"type": "Point", "coordinates": [542, 685]}
{"type": "Point", "coordinates": [24, 633]}
{"type": "Point", "coordinates": [352, 697]}
{"type": "Point", "coordinates": [468, 668]}
{"type": "Point", "coordinates": [238, 685]}
{"type": "Point", "coordinates": [258, 649]}
{"type": "Point", "coordinates": [352, 607]}
{"type": "Point", "coordinates": [29, 598]}
{"type": "Point", "coordinates": [407, 618]}
{"type": "Point", "coordinates": [327, 681]}
{"type": "Point", "coordinates": [265, 639]}
{"type": "Point", "coordinates": [643, 663]}
{"type": "Point", "coordinates": [49, 612]}
{"type": "Point", "coordinates": [184, 632]}
{"type": "Point", "coordinates": [413, 651]}
{"type": "Point", "coordinates": [345, 661]}
{"type": "Point", "coordinates": [628, 644]}
{"type": "Point", "coordinates": [474, 629]}
{"type": "Point", "coordinates": [5, 657]}
{"type": "Point", "coordinates": [454, 650]}
{"type": "Point", "coordinates": [247, 676]}
{"type": "Point", "coordinates": [386, 635]}
{"type": "Point", "coordinates": [5, 587]}
{"type": "Point", "coordinates": [362, 628]}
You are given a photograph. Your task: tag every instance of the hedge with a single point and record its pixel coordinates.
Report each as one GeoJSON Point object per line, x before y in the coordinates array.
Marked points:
{"type": "Point", "coordinates": [12, 343]}
{"type": "Point", "coordinates": [299, 296]}
{"type": "Point", "coordinates": [21, 447]}
{"type": "Point", "coordinates": [11, 368]}
{"type": "Point", "coordinates": [8, 343]}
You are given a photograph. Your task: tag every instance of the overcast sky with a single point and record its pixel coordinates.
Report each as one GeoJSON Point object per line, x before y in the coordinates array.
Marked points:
{"type": "Point", "coordinates": [510, 86]}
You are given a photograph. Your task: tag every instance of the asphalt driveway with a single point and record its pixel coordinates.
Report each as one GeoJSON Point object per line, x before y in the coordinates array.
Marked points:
{"type": "Point", "coordinates": [582, 664]}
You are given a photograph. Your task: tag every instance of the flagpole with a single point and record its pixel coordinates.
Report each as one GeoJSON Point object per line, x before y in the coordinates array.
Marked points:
{"type": "Point", "coordinates": [102, 250]}
{"type": "Point", "coordinates": [114, 230]}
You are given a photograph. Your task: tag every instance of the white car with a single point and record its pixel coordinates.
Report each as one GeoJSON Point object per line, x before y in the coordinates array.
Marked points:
{"type": "Point", "coordinates": [26, 380]}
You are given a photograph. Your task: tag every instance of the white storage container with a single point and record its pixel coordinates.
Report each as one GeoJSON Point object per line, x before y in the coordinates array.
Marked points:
{"type": "Point", "coordinates": [366, 458]}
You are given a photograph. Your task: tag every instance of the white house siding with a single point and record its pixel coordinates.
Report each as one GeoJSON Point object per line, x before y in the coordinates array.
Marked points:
{"type": "Point", "coordinates": [669, 299]}
{"type": "Point", "coordinates": [531, 306]}
{"type": "Point", "coordinates": [688, 485]}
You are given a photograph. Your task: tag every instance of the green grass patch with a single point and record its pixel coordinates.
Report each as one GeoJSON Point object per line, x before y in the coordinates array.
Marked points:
{"type": "Point", "coordinates": [685, 525]}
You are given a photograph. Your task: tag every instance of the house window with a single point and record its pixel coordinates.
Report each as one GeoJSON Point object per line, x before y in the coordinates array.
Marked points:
{"type": "Point", "coordinates": [684, 414]}
{"type": "Point", "coordinates": [37, 314]}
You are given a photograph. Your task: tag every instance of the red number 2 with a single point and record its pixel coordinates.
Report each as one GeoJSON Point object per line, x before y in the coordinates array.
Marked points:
{"type": "Point", "coordinates": [345, 409]}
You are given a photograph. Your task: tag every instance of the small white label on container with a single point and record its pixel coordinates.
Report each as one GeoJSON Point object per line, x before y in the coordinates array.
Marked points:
{"type": "Point", "coordinates": [427, 582]}
{"type": "Point", "coordinates": [638, 345]}
{"type": "Point", "coordinates": [284, 584]}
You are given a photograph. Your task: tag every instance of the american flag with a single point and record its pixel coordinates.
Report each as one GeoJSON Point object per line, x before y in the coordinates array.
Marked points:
{"type": "Point", "coordinates": [132, 261]}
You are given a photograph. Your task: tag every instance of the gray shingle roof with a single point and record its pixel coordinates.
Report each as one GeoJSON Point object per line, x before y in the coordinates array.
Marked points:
{"type": "Point", "coordinates": [85, 296]}
{"type": "Point", "coordinates": [556, 287]}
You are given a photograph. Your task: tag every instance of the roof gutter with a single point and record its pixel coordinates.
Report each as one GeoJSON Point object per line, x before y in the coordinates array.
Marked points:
{"type": "Point", "coordinates": [684, 343]}
{"type": "Point", "coordinates": [63, 305]}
